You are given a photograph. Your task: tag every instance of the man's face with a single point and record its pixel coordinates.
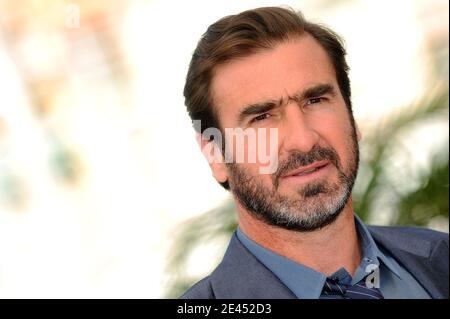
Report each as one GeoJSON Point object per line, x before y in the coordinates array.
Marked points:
{"type": "Point", "coordinates": [292, 88]}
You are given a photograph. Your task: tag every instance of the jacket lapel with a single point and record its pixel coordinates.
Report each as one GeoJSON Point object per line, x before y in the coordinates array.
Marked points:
{"type": "Point", "coordinates": [241, 276]}
{"type": "Point", "coordinates": [429, 265]}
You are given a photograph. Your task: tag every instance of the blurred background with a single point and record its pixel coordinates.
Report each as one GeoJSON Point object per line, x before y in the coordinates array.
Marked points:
{"type": "Point", "coordinates": [103, 190]}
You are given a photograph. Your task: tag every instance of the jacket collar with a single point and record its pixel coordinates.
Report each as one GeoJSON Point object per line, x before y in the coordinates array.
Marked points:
{"type": "Point", "coordinates": [241, 276]}
{"type": "Point", "coordinates": [419, 255]}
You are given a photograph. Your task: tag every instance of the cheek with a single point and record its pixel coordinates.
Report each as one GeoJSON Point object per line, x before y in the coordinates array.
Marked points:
{"type": "Point", "coordinates": [260, 156]}
{"type": "Point", "coordinates": [257, 150]}
{"type": "Point", "coordinates": [337, 133]}
{"type": "Point", "coordinates": [250, 175]}
{"type": "Point", "coordinates": [267, 150]}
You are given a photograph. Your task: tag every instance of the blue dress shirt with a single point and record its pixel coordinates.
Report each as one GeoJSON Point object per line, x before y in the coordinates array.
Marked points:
{"type": "Point", "coordinates": [306, 283]}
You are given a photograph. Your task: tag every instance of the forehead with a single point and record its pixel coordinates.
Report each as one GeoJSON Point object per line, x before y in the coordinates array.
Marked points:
{"type": "Point", "coordinates": [270, 75]}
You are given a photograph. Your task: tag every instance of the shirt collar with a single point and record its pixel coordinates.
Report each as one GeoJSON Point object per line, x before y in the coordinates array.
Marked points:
{"type": "Point", "coordinates": [371, 254]}
{"type": "Point", "coordinates": [305, 282]}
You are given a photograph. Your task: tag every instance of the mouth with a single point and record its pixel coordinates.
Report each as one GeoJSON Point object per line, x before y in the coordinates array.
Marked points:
{"type": "Point", "coordinates": [305, 173]}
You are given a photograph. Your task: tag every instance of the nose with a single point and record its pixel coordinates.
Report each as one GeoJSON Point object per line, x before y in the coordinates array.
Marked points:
{"type": "Point", "coordinates": [298, 131]}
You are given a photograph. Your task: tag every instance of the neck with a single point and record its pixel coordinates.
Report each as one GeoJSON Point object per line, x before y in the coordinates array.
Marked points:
{"type": "Point", "coordinates": [324, 250]}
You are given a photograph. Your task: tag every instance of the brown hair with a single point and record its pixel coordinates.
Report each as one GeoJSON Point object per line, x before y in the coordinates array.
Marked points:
{"type": "Point", "coordinates": [244, 34]}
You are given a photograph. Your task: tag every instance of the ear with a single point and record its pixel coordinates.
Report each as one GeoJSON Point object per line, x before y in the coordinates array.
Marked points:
{"type": "Point", "coordinates": [214, 156]}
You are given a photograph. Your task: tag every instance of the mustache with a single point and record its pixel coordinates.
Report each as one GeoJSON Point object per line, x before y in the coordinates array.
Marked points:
{"type": "Point", "coordinates": [297, 159]}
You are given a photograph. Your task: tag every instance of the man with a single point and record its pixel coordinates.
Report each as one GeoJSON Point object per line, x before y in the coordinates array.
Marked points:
{"type": "Point", "coordinates": [298, 236]}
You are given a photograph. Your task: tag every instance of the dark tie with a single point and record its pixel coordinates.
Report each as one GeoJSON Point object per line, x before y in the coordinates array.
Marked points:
{"type": "Point", "coordinates": [357, 291]}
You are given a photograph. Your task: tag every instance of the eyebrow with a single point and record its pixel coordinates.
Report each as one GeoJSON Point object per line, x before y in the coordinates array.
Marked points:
{"type": "Point", "coordinates": [259, 108]}
{"type": "Point", "coordinates": [315, 91]}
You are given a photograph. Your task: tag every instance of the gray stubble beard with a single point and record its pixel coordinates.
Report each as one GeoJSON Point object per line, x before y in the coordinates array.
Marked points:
{"type": "Point", "coordinates": [307, 213]}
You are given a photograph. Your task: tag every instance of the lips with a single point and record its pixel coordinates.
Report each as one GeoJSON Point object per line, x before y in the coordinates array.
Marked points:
{"type": "Point", "coordinates": [305, 170]}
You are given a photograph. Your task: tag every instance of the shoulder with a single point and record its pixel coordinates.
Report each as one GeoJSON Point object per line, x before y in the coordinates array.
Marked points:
{"type": "Point", "coordinates": [417, 240]}
{"type": "Point", "coordinates": [403, 232]}
{"type": "Point", "coordinates": [240, 275]}
{"type": "Point", "coordinates": [200, 290]}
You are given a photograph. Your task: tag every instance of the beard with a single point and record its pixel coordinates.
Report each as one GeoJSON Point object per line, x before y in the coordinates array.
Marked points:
{"type": "Point", "coordinates": [314, 205]}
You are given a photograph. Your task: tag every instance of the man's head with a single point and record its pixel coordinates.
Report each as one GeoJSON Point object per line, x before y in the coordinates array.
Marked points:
{"type": "Point", "coordinates": [270, 68]}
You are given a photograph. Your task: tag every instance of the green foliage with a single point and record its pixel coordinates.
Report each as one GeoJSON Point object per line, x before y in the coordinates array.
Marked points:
{"type": "Point", "coordinates": [379, 147]}
{"type": "Point", "coordinates": [428, 201]}
{"type": "Point", "coordinates": [216, 223]}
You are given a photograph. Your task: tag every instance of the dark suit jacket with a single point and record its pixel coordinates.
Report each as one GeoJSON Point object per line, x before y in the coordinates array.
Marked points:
{"type": "Point", "coordinates": [424, 253]}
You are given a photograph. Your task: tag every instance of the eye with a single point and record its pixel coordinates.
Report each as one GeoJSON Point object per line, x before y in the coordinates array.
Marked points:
{"type": "Point", "coordinates": [260, 118]}
{"type": "Point", "coordinates": [315, 100]}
